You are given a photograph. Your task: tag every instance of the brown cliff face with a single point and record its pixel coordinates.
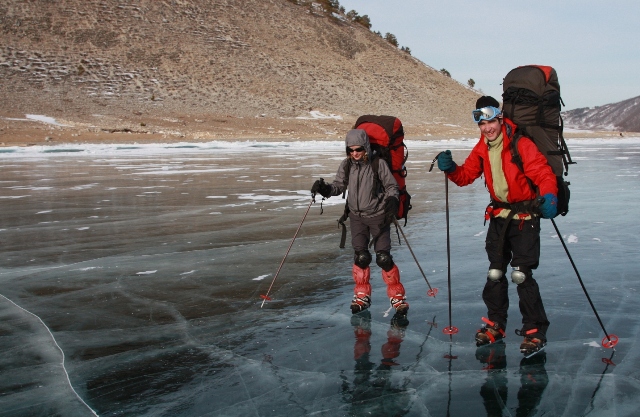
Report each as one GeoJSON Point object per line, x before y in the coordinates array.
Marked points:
{"type": "Point", "coordinates": [208, 69]}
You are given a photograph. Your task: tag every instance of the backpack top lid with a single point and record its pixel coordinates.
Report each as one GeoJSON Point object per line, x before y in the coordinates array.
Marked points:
{"type": "Point", "coordinates": [388, 126]}
{"type": "Point", "coordinates": [537, 78]}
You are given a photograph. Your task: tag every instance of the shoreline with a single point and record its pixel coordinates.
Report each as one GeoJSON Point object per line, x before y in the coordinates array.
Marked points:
{"type": "Point", "coordinates": [16, 131]}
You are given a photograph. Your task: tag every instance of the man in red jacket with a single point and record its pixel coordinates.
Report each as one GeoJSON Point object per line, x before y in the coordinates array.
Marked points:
{"type": "Point", "coordinates": [513, 236]}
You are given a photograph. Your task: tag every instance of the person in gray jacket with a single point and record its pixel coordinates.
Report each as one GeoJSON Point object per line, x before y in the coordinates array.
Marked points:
{"type": "Point", "coordinates": [372, 203]}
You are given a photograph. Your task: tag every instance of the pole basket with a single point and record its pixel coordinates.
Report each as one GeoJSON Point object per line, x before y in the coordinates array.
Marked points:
{"type": "Point", "coordinates": [450, 330]}
{"type": "Point", "coordinates": [609, 341]}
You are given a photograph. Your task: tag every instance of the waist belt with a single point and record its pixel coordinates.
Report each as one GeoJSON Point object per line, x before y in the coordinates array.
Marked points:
{"type": "Point", "coordinates": [529, 206]}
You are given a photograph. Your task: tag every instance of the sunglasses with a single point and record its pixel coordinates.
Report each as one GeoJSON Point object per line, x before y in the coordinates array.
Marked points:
{"type": "Point", "coordinates": [485, 113]}
{"type": "Point", "coordinates": [358, 149]}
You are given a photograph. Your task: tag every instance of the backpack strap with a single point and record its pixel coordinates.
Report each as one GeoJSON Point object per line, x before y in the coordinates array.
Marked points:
{"type": "Point", "coordinates": [515, 154]}
{"type": "Point", "coordinates": [375, 166]}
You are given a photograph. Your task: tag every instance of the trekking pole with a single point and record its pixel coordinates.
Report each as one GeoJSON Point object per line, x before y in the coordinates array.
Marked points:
{"type": "Point", "coordinates": [432, 291]}
{"type": "Point", "coordinates": [266, 297]}
{"type": "Point", "coordinates": [451, 329]}
{"type": "Point", "coordinates": [611, 339]}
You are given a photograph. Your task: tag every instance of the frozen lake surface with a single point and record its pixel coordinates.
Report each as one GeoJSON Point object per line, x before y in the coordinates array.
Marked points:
{"type": "Point", "coordinates": [131, 277]}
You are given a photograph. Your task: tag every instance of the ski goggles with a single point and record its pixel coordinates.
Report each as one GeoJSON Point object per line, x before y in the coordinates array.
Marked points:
{"type": "Point", "coordinates": [485, 113]}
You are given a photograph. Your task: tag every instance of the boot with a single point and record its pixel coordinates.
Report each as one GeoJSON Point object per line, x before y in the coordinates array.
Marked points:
{"type": "Point", "coordinates": [489, 333]}
{"type": "Point", "coordinates": [360, 303]}
{"type": "Point", "coordinates": [399, 302]}
{"type": "Point", "coordinates": [533, 342]}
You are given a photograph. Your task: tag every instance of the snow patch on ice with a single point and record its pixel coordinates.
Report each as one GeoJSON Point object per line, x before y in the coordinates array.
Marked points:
{"type": "Point", "coordinates": [572, 239]}
{"type": "Point", "coordinates": [593, 343]}
{"type": "Point", "coordinates": [260, 278]}
{"type": "Point", "coordinates": [147, 272]}
{"type": "Point", "coordinates": [84, 187]}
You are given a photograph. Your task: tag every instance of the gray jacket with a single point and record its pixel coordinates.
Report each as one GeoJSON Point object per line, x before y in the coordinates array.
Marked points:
{"type": "Point", "coordinates": [362, 199]}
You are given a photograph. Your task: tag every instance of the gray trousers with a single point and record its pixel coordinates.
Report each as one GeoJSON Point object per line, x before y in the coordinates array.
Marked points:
{"type": "Point", "coordinates": [363, 229]}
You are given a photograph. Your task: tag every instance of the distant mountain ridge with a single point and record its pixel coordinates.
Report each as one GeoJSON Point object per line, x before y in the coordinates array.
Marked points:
{"type": "Point", "coordinates": [622, 116]}
{"type": "Point", "coordinates": [240, 58]}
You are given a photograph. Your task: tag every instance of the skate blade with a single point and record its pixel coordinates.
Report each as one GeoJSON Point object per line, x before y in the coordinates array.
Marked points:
{"type": "Point", "coordinates": [528, 354]}
{"type": "Point", "coordinates": [481, 343]}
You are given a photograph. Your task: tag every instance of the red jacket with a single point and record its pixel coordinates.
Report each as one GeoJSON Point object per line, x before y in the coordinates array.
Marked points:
{"type": "Point", "coordinates": [534, 162]}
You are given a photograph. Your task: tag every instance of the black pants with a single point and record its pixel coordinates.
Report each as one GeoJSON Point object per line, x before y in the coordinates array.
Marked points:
{"type": "Point", "coordinates": [520, 248]}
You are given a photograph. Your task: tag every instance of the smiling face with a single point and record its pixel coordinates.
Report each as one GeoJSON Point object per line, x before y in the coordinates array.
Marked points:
{"type": "Point", "coordinates": [356, 152]}
{"type": "Point", "coordinates": [491, 128]}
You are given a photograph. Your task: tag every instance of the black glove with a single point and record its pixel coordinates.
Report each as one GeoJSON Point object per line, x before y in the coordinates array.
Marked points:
{"type": "Point", "coordinates": [391, 205]}
{"type": "Point", "coordinates": [321, 187]}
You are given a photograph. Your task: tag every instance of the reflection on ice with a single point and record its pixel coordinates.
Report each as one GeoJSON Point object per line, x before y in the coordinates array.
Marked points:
{"type": "Point", "coordinates": [155, 302]}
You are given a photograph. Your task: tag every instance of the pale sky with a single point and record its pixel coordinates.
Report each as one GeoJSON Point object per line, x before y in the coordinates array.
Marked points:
{"type": "Point", "coordinates": [593, 45]}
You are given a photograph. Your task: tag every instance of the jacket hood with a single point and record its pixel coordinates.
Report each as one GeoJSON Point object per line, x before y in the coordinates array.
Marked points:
{"type": "Point", "coordinates": [358, 137]}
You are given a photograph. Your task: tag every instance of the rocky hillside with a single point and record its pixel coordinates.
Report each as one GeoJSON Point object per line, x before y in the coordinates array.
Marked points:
{"type": "Point", "coordinates": [203, 65]}
{"type": "Point", "coordinates": [623, 116]}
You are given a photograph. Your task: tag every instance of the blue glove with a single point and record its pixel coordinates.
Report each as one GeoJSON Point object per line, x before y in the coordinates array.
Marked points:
{"type": "Point", "coordinates": [445, 162]}
{"type": "Point", "coordinates": [549, 207]}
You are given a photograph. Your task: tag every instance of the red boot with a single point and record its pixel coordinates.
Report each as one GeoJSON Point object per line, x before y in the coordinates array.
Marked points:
{"type": "Point", "coordinates": [362, 291]}
{"type": "Point", "coordinates": [395, 290]}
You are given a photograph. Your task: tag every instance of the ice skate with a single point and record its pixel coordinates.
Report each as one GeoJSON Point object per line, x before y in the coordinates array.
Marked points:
{"type": "Point", "coordinates": [533, 343]}
{"type": "Point", "coordinates": [360, 303]}
{"type": "Point", "coordinates": [399, 303]}
{"type": "Point", "coordinates": [489, 333]}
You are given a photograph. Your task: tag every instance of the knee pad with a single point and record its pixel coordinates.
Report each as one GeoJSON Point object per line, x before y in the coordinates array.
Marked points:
{"type": "Point", "coordinates": [362, 258]}
{"type": "Point", "coordinates": [384, 260]}
{"type": "Point", "coordinates": [495, 274]}
{"type": "Point", "coordinates": [520, 274]}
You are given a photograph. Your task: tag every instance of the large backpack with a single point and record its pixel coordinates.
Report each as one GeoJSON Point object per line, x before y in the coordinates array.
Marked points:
{"type": "Point", "coordinates": [531, 99]}
{"type": "Point", "coordinates": [386, 136]}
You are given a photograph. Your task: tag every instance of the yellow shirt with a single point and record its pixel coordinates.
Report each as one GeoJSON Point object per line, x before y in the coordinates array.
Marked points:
{"type": "Point", "coordinates": [500, 187]}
